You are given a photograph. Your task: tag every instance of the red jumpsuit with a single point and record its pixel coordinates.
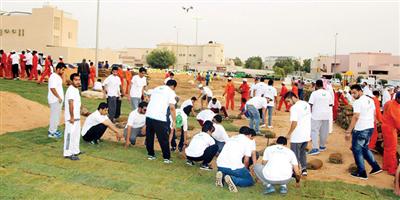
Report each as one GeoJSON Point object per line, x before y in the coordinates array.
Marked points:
{"type": "Point", "coordinates": [295, 90]}
{"type": "Point", "coordinates": [378, 114]}
{"type": "Point", "coordinates": [230, 95]}
{"type": "Point", "coordinates": [128, 76]}
{"type": "Point", "coordinates": [47, 71]}
{"type": "Point", "coordinates": [22, 65]}
{"type": "Point", "coordinates": [282, 100]}
{"type": "Point", "coordinates": [336, 104]}
{"type": "Point", "coordinates": [9, 74]}
{"type": "Point", "coordinates": [121, 77]}
{"type": "Point", "coordinates": [390, 127]}
{"type": "Point", "coordinates": [3, 65]}
{"type": "Point", "coordinates": [92, 75]}
{"type": "Point", "coordinates": [34, 72]}
{"type": "Point", "coordinates": [245, 89]}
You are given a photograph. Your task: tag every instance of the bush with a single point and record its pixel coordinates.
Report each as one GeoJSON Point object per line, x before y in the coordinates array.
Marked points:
{"type": "Point", "coordinates": [359, 78]}
{"type": "Point", "coordinates": [161, 58]}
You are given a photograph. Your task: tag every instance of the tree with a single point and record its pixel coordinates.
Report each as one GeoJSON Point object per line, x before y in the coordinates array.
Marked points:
{"type": "Point", "coordinates": [161, 58]}
{"type": "Point", "coordinates": [279, 71]}
{"type": "Point", "coordinates": [307, 65]}
{"type": "Point", "coordinates": [237, 61]}
{"type": "Point", "coordinates": [338, 76]}
{"type": "Point", "coordinates": [254, 62]}
{"type": "Point", "coordinates": [359, 79]}
{"type": "Point", "coordinates": [297, 66]}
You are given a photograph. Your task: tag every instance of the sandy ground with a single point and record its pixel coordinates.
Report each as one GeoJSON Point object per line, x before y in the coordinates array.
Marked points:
{"type": "Point", "coordinates": [35, 115]}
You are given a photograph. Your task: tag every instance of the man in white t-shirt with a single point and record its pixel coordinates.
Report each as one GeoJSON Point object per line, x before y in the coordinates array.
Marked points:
{"type": "Point", "coordinates": [232, 168]}
{"type": "Point", "coordinates": [300, 128]}
{"type": "Point", "coordinates": [113, 90]}
{"type": "Point", "coordinates": [55, 97]}
{"type": "Point", "coordinates": [202, 147]}
{"type": "Point", "coordinates": [161, 106]}
{"type": "Point", "coordinates": [96, 125]}
{"type": "Point", "coordinates": [136, 125]}
{"type": "Point", "coordinates": [251, 110]}
{"type": "Point", "coordinates": [387, 95]}
{"type": "Point", "coordinates": [98, 86]}
{"type": "Point", "coordinates": [278, 165]}
{"type": "Point", "coordinates": [15, 64]}
{"type": "Point", "coordinates": [360, 130]}
{"type": "Point", "coordinates": [180, 125]}
{"type": "Point", "coordinates": [271, 94]}
{"type": "Point", "coordinates": [72, 117]}
{"type": "Point", "coordinates": [137, 87]}
{"type": "Point", "coordinates": [205, 115]}
{"type": "Point", "coordinates": [260, 87]}
{"type": "Point", "coordinates": [366, 90]}
{"type": "Point", "coordinates": [219, 134]}
{"type": "Point", "coordinates": [253, 87]}
{"type": "Point", "coordinates": [321, 112]}
{"type": "Point", "coordinates": [215, 106]}
{"type": "Point", "coordinates": [188, 106]}
{"type": "Point", "coordinates": [28, 60]}
{"type": "Point", "coordinates": [205, 94]}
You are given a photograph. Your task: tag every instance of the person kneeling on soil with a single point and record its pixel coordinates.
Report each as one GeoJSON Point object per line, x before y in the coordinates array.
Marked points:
{"type": "Point", "coordinates": [182, 126]}
{"type": "Point", "coordinates": [136, 125]}
{"type": "Point", "coordinates": [277, 167]}
{"type": "Point", "coordinates": [219, 134]}
{"type": "Point", "coordinates": [202, 147]}
{"type": "Point", "coordinates": [205, 115]}
{"type": "Point", "coordinates": [215, 106]}
{"type": "Point", "coordinates": [96, 125]}
{"type": "Point", "coordinates": [98, 86]}
{"type": "Point", "coordinates": [231, 169]}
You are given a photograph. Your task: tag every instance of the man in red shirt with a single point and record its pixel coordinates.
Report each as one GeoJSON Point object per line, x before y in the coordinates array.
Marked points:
{"type": "Point", "coordinates": [245, 91]}
{"type": "Point", "coordinates": [34, 71]}
{"type": "Point", "coordinates": [47, 71]}
{"type": "Point", "coordinates": [378, 115]}
{"type": "Point", "coordinates": [9, 74]}
{"type": "Point", "coordinates": [22, 62]}
{"type": "Point", "coordinates": [230, 94]}
{"type": "Point", "coordinates": [282, 100]}
{"type": "Point", "coordinates": [3, 63]}
{"type": "Point", "coordinates": [338, 97]}
{"type": "Point", "coordinates": [295, 89]}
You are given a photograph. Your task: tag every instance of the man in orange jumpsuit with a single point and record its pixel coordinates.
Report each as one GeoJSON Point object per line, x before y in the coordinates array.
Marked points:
{"type": "Point", "coordinates": [22, 62]}
{"type": "Point", "coordinates": [121, 77]}
{"type": "Point", "coordinates": [47, 70]}
{"type": "Point", "coordinates": [9, 74]}
{"type": "Point", "coordinates": [230, 94]}
{"type": "Point", "coordinates": [282, 100]}
{"type": "Point", "coordinates": [128, 77]}
{"type": "Point", "coordinates": [3, 63]}
{"type": "Point", "coordinates": [338, 97]}
{"type": "Point", "coordinates": [378, 115]}
{"type": "Point", "coordinates": [35, 61]}
{"type": "Point", "coordinates": [245, 91]}
{"type": "Point", "coordinates": [390, 127]}
{"type": "Point", "coordinates": [92, 73]}
{"type": "Point", "coordinates": [295, 89]}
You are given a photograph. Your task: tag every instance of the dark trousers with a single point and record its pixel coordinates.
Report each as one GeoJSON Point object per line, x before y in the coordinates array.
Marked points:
{"type": "Point", "coordinates": [187, 110]}
{"type": "Point", "coordinates": [118, 110]}
{"type": "Point", "coordinates": [113, 108]}
{"type": "Point", "coordinates": [207, 156]}
{"type": "Point", "coordinates": [95, 133]}
{"type": "Point", "coordinates": [361, 152]}
{"type": "Point", "coordinates": [84, 81]}
{"type": "Point", "coordinates": [299, 150]}
{"type": "Point", "coordinates": [159, 128]}
{"type": "Point", "coordinates": [251, 160]}
{"type": "Point", "coordinates": [223, 109]}
{"type": "Point", "coordinates": [15, 70]}
{"type": "Point", "coordinates": [28, 69]}
{"type": "Point", "coordinates": [261, 116]}
{"type": "Point", "coordinates": [181, 141]}
{"type": "Point", "coordinates": [300, 94]}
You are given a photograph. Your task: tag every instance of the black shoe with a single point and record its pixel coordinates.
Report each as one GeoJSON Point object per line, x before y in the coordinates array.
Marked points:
{"type": "Point", "coordinates": [190, 163]}
{"type": "Point", "coordinates": [376, 171]}
{"type": "Point", "coordinates": [94, 142]}
{"type": "Point", "coordinates": [173, 149]}
{"type": "Point", "coordinates": [73, 157]}
{"type": "Point", "coordinates": [80, 153]}
{"type": "Point", "coordinates": [304, 172]}
{"type": "Point", "coordinates": [362, 176]}
{"type": "Point", "coordinates": [205, 167]}
{"type": "Point", "coordinates": [180, 149]}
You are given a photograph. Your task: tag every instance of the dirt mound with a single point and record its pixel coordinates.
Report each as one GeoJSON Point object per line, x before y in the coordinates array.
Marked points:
{"type": "Point", "coordinates": [18, 113]}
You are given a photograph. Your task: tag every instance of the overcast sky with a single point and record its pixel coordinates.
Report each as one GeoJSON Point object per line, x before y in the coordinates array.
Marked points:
{"type": "Point", "coordinates": [246, 28]}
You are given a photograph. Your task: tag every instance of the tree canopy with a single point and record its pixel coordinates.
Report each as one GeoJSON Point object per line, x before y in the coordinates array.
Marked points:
{"type": "Point", "coordinates": [237, 61]}
{"type": "Point", "coordinates": [161, 58]}
{"type": "Point", "coordinates": [254, 62]}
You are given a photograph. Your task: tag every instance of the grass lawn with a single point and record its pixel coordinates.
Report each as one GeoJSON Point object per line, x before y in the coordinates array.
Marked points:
{"type": "Point", "coordinates": [32, 167]}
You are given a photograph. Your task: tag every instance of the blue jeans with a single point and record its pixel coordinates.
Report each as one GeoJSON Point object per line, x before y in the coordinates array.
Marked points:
{"type": "Point", "coordinates": [254, 116]}
{"type": "Point", "coordinates": [240, 177]}
{"type": "Point", "coordinates": [269, 110]}
{"type": "Point", "coordinates": [359, 146]}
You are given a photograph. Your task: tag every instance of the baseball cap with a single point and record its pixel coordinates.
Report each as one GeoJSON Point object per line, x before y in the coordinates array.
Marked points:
{"type": "Point", "coordinates": [245, 80]}
{"type": "Point", "coordinates": [200, 85]}
{"type": "Point", "coordinates": [229, 78]}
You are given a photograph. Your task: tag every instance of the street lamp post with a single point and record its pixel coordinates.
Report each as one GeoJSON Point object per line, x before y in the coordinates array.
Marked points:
{"type": "Point", "coordinates": [177, 44]}
{"type": "Point", "coordinates": [97, 39]}
{"type": "Point", "coordinates": [197, 27]}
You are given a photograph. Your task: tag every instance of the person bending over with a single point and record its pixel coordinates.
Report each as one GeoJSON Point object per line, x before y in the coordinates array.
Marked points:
{"type": "Point", "coordinates": [136, 126]}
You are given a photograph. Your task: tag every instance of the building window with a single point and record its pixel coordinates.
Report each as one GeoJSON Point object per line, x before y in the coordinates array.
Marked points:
{"type": "Point", "coordinates": [194, 55]}
{"type": "Point", "coordinates": [69, 35]}
{"type": "Point", "coordinates": [190, 55]}
{"type": "Point", "coordinates": [184, 54]}
{"type": "Point", "coordinates": [57, 23]}
{"type": "Point", "coordinates": [56, 41]}
{"type": "Point", "coordinates": [209, 55]}
{"type": "Point", "coordinates": [396, 65]}
{"type": "Point", "coordinates": [358, 64]}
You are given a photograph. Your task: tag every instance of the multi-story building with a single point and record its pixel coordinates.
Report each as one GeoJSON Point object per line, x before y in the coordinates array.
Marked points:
{"type": "Point", "coordinates": [377, 64]}
{"type": "Point", "coordinates": [134, 56]}
{"type": "Point", "coordinates": [270, 61]}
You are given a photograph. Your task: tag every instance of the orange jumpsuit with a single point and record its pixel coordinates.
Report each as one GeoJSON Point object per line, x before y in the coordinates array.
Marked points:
{"type": "Point", "coordinates": [282, 100]}
{"type": "Point", "coordinates": [390, 127]}
{"type": "Point", "coordinates": [230, 95]}
{"type": "Point", "coordinates": [22, 65]}
{"type": "Point", "coordinates": [3, 65]}
{"type": "Point", "coordinates": [336, 104]}
{"type": "Point", "coordinates": [378, 114]}
{"type": "Point", "coordinates": [121, 77]}
{"type": "Point", "coordinates": [9, 74]}
{"type": "Point", "coordinates": [92, 75]}
{"type": "Point", "coordinates": [295, 90]}
{"type": "Point", "coordinates": [34, 72]}
{"type": "Point", "coordinates": [128, 76]}
{"type": "Point", "coordinates": [47, 71]}
{"type": "Point", "coordinates": [245, 89]}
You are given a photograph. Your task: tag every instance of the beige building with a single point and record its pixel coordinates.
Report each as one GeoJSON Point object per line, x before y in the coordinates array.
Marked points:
{"type": "Point", "coordinates": [135, 57]}
{"type": "Point", "coordinates": [48, 30]}
{"type": "Point", "coordinates": [200, 57]}
{"type": "Point", "coordinates": [375, 64]}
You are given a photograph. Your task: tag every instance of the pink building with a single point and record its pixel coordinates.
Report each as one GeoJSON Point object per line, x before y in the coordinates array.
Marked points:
{"type": "Point", "coordinates": [382, 65]}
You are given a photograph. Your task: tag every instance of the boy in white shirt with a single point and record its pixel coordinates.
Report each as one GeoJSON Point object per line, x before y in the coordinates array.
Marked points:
{"type": "Point", "coordinates": [205, 94]}
{"type": "Point", "coordinates": [72, 119]}
{"type": "Point", "coordinates": [278, 165]}
{"type": "Point", "coordinates": [137, 88]}
{"type": "Point", "coordinates": [251, 109]}
{"type": "Point", "coordinates": [113, 90]}
{"type": "Point", "coordinates": [136, 125]}
{"type": "Point", "coordinates": [216, 107]}
{"type": "Point", "coordinates": [188, 106]}
{"type": "Point", "coordinates": [300, 128]}
{"type": "Point", "coordinates": [202, 147]}
{"type": "Point", "coordinates": [55, 99]}
{"type": "Point", "coordinates": [219, 134]}
{"type": "Point", "coordinates": [271, 94]}
{"type": "Point", "coordinates": [205, 115]}
{"type": "Point", "coordinates": [98, 86]}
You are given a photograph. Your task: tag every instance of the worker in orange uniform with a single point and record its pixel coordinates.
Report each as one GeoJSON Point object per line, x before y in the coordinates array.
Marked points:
{"type": "Point", "coordinates": [9, 74]}
{"type": "Point", "coordinates": [295, 89]}
{"type": "Point", "coordinates": [92, 74]}
{"type": "Point", "coordinates": [230, 94]}
{"type": "Point", "coordinates": [35, 62]}
{"type": "Point", "coordinates": [121, 77]}
{"type": "Point", "coordinates": [378, 119]}
{"type": "Point", "coordinates": [22, 62]}
{"type": "Point", "coordinates": [282, 100]}
{"type": "Point", "coordinates": [338, 97]}
{"type": "Point", "coordinates": [47, 70]}
{"type": "Point", "coordinates": [390, 127]}
{"type": "Point", "coordinates": [128, 77]}
{"type": "Point", "coordinates": [3, 63]}
{"type": "Point", "coordinates": [245, 91]}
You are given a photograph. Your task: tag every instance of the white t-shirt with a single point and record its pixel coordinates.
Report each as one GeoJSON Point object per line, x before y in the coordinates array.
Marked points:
{"type": "Point", "coordinates": [98, 86]}
{"type": "Point", "coordinates": [320, 100]}
{"type": "Point", "coordinates": [28, 58]}
{"type": "Point", "coordinates": [187, 103]}
{"type": "Point", "coordinates": [252, 89]}
{"type": "Point", "coordinates": [259, 89]}
{"type": "Point", "coordinates": [220, 134]}
{"type": "Point", "coordinates": [385, 97]}
{"type": "Point", "coordinates": [137, 85]}
{"type": "Point", "coordinates": [198, 144]}
{"type": "Point", "coordinates": [14, 58]}
{"type": "Point", "coordinates": [161, 98]}
{"type": "Point", "coordinates": [258, 102]}
{"type": "Point", "coordinates": [300, 112]}
{"type": "Point", "coordinates": [205, 115]}
{"type": "Point", "coordinates": [55, 81]}
{"type": "Point", "coordinates": [93, 120]}
{"type": "Point", "coordinates": [112, 86]}
{"type": "Point", "coordinates": [136, 120]}
{"type": "Point", "coordinates": [280, 163]}
{"type": "Point", "coordinates": [217, 105]}
{"type": "Point", "coordinates": [271, 93]}
{"type": "Point", "coordinates": [367, 91]}
{"type": "Point", "coordinates": [366, 107]}
{"type": "Point", "coordinates": [207, 91]}
{"type": "Point", "coordinates": [233, 152]}
{"type": "Point", "coordinates": [72, 94]}
{"type": "Point", "coordinates": [180, 112]}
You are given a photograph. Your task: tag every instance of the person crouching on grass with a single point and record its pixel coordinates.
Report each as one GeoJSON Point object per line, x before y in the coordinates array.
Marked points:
{"type": "Point", "coordinates": [136, 125]}
{"type": "Point", "coordinates": [96, 125]}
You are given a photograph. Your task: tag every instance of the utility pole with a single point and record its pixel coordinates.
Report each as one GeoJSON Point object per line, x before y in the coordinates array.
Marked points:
{"type": "Point", "coordinates": [334, 66]}
{"type": "Point", "coordinates": [97, 39]}
{"type": "Point", "coordinates": [197, 27]}
{"type": "Point", "coordinates": [177, 44]}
